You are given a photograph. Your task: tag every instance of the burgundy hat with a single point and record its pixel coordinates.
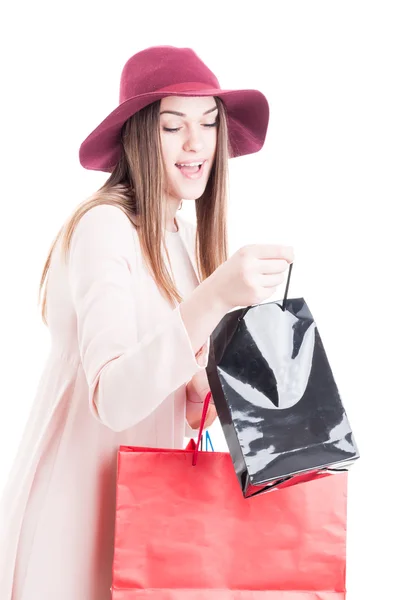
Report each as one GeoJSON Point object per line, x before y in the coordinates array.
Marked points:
{"type": "Point", "coordinates": [161, 71]}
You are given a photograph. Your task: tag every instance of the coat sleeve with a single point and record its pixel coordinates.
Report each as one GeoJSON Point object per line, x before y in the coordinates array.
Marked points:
{"type": "Point", "coordinates": [127, 377]}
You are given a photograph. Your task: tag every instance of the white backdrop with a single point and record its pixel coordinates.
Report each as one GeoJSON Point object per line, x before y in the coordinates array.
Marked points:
{"type": "Point", "coordinates": [325, 182]}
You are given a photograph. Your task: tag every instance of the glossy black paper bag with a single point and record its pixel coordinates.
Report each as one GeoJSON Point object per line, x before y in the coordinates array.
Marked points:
{"type": "Point", "coordinates": [276, 397]}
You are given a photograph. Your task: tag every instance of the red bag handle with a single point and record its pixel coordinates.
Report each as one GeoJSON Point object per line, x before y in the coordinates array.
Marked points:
{"type": "Point", "coordinates": [202, 425]}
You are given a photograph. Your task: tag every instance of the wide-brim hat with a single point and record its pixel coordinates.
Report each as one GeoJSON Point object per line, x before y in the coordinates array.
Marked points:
{"type": "Point", "coordinates": [161, 71]}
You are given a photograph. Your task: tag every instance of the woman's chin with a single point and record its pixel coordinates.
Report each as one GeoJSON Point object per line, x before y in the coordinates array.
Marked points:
{"type": "Point", "coordinates": [191, 191]}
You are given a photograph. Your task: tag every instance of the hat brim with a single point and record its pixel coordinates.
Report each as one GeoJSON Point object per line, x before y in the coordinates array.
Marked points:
{"type": "Point", "coordinates": [247, 118]}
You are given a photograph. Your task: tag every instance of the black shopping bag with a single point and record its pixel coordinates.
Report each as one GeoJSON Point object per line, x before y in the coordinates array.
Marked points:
{"type": "Point", "coordinates": [276, 397]}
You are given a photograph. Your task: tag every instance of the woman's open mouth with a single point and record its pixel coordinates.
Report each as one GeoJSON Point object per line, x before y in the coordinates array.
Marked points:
{"type": "Point", "coordinates": [193, 170]}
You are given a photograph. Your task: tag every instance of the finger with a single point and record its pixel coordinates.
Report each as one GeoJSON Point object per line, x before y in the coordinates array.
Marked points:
{"type": "Point", "coordinates": [271, 266]}
{"type": "Point", "coordinates": [276, 251]}
{"type": "Point", "coordinates": [268, 281]}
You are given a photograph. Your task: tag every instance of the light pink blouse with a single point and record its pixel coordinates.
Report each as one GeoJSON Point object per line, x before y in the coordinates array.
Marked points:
{"type": "Point", "coordinates": [116, 374]}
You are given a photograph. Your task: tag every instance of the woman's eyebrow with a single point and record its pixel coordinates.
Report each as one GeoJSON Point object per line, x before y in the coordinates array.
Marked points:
{"type": "Point", "coordinates": [180, 114]}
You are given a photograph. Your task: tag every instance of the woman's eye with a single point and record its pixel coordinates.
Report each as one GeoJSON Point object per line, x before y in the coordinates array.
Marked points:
{"type": "Point", "coordinates": [172, 130]}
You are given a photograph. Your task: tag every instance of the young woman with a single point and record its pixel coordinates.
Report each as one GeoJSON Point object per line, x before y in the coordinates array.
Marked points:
{"type": "Point", "coordinates": [132, 294]}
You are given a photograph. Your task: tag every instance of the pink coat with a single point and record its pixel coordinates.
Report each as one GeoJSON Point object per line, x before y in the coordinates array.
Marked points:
{"type": "Point", "coordinates": [116, 374]}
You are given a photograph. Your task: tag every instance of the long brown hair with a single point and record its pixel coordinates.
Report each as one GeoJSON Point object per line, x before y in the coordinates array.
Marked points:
{"type": "Point", "coordinates": [136, 184]}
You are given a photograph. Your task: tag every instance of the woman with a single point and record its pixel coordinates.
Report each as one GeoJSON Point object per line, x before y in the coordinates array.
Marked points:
{"type": "Point", "coordinates": [130, 302]}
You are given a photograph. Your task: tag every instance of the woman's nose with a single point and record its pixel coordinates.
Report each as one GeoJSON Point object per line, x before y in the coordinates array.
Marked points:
{"type": "Point", "coordinates": [194, 140]}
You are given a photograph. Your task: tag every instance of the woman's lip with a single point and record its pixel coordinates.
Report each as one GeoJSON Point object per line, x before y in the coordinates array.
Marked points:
{"type": "Point", "coordinates": [187, 162]}
{"type": "Point", "coordinates": [196, 175]}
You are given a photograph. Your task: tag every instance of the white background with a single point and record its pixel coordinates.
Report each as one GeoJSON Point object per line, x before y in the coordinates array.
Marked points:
{"type": "Point", "coordinates": [325, 182]}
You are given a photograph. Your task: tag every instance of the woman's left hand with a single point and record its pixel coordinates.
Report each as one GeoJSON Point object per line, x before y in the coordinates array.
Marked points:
{"type": "Point", "coordinates": [197, 390]}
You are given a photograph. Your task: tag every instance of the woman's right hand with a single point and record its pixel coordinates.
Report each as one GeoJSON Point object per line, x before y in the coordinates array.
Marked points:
{"type": "Point", "coordinates": [251, 275]}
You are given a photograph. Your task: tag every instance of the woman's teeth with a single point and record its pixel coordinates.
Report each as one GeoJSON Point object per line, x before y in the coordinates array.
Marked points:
{"type": "Point", "coordinates": [197, 164]}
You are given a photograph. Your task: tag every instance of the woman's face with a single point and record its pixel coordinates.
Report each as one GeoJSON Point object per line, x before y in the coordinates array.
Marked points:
{"type": "Point", "coordinates": [188, 132]}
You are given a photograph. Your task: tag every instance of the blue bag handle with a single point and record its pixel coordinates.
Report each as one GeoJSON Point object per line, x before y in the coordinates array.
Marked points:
{"type": "Point", "coordinates": [208, 442]}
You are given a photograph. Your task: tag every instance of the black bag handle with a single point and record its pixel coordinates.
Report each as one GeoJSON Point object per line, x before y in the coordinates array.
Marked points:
{"type": "Point", "coordinates": [287, 287]}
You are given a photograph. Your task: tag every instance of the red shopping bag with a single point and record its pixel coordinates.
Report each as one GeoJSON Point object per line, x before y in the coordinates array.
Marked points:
{"type": "Point", "coordinates": [186, 532]}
